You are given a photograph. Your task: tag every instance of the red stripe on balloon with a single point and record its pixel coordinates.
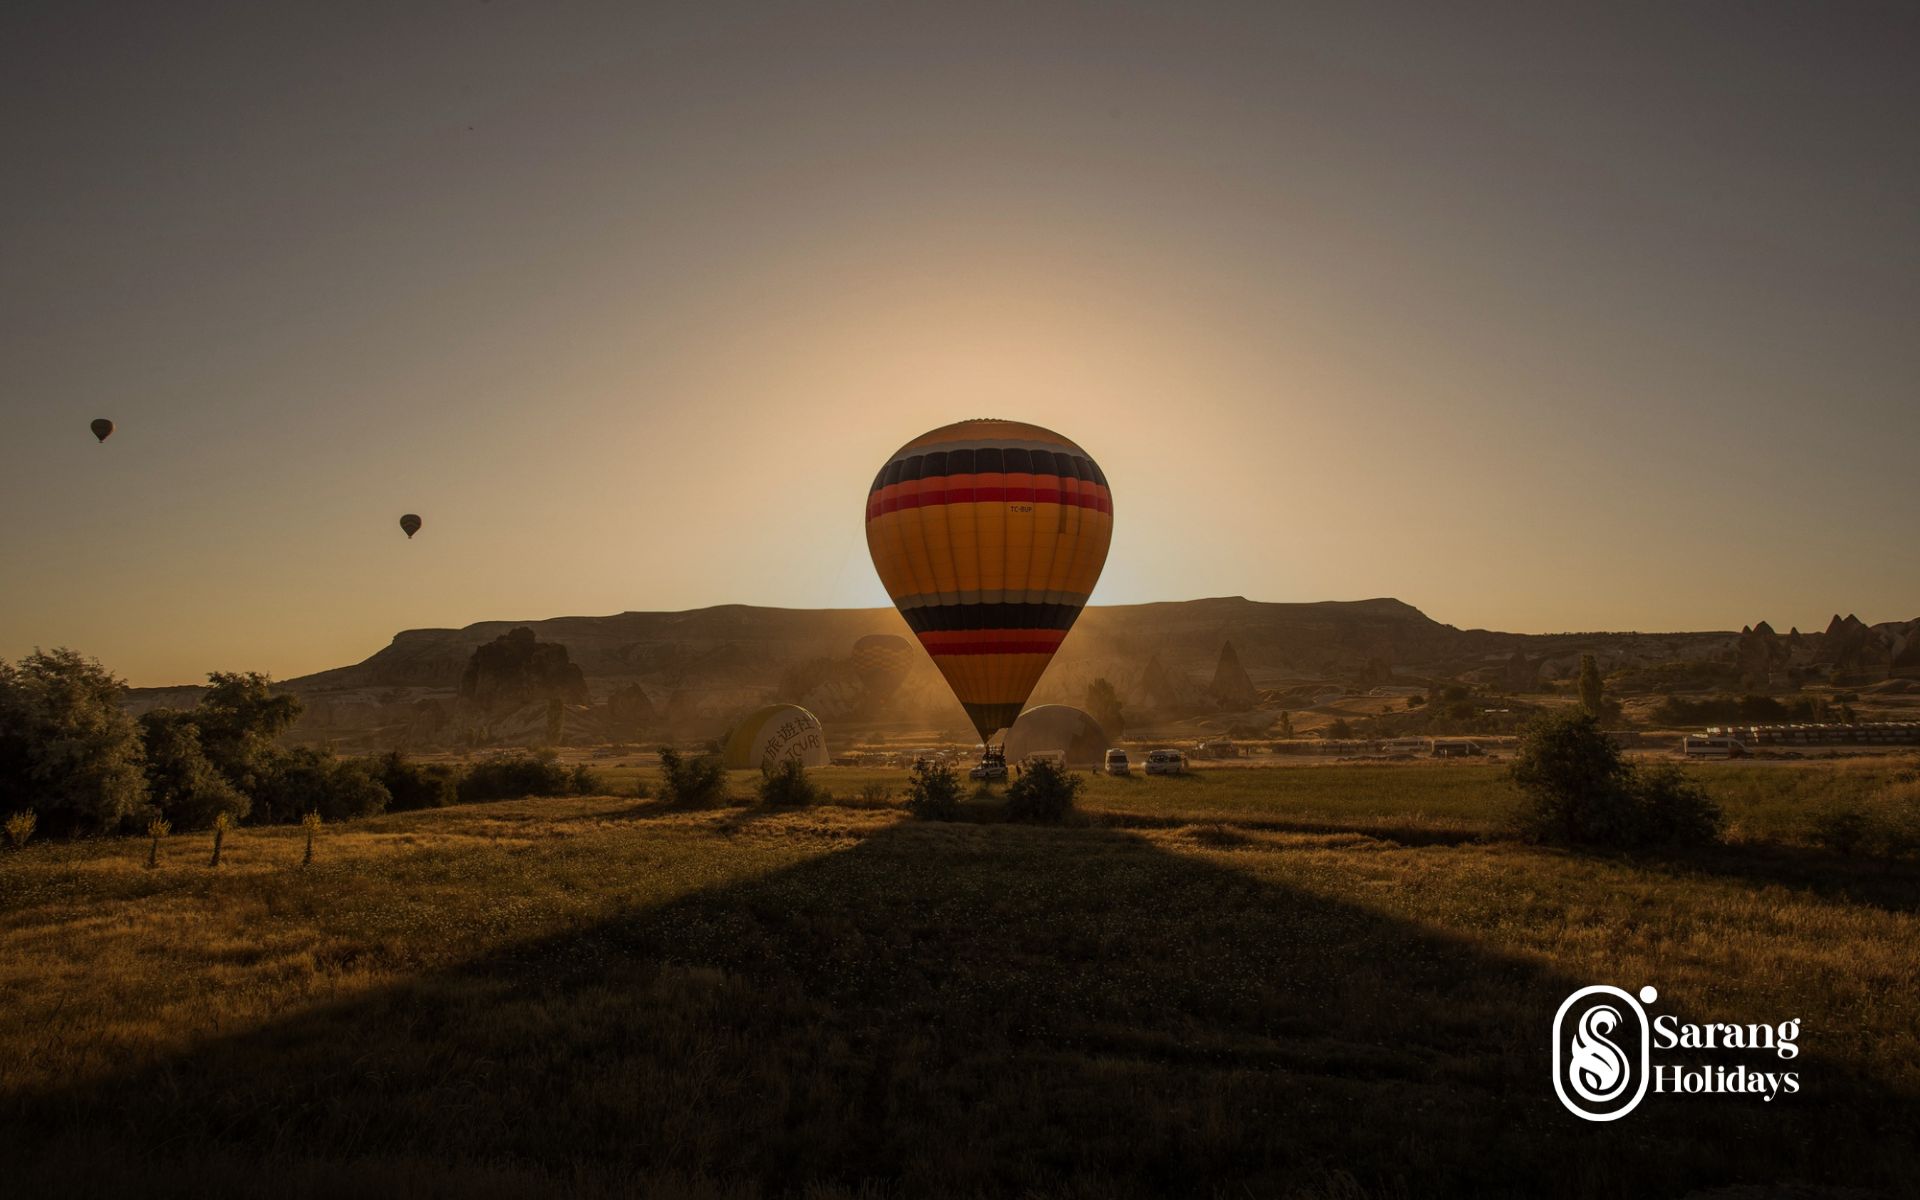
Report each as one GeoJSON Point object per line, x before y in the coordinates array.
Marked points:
{"type": "Point", "coordinates": [992, 641]}
{"type": "Point", "coordinates": [961, 489]}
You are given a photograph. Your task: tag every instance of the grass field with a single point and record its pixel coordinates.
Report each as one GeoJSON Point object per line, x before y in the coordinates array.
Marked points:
{"type": "Point", "coordinates": [1322, 981]}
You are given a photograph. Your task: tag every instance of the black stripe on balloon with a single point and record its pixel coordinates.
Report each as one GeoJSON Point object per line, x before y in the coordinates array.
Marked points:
{"type": "Point", "coordinates": [941, 618]}
{"type": "Point", "coordinates": [989, 717]}
{"type": "Point", "coordinates": [1012, 461]}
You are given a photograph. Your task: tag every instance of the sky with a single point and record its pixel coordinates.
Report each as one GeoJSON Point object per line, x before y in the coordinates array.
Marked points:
{"type": "Point", "coordinates": [1535, 318]}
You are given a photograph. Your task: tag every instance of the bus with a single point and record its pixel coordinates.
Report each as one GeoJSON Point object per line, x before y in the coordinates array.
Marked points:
{"type": "Point", "coordinates": [1698, 746]}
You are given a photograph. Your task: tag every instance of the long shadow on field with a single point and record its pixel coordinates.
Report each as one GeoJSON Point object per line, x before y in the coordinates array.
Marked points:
{"type": "Point", "coordinates": [1413, 832]}
{"type": "Point", "coordinates": [1888, 883]}
{"type": "Point", "coordinates": [965, 1009]}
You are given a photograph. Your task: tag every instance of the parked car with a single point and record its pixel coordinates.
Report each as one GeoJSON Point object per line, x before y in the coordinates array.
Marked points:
{"type": "Point", "coordinates": [1117, 763]}
{"type": "Point", "coordinates": [993, 765]}
{"type": "Point", "coordinates": [1166, 762]}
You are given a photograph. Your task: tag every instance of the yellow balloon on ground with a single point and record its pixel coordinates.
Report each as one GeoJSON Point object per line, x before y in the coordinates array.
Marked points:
{"type": "Point", "coordinates": [1058, 729]}
{"type": "Point", "coordinates": [989, 536]}
{"type": "Point", "coordinates": [767, 737]}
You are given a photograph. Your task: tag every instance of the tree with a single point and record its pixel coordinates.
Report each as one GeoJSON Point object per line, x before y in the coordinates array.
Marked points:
{"type": "Point", "coordinates": [1286, 724]}
{"type": "Point", "coordinates": [185, 786]}
{"type": "Point", "coordinates": [67, 751]}
{"type": "Point", "coordinates": [1581, 791]}
{"type": "Point", "coordinates": [1103, 705]}
{"type": "Point", "coordinates": [239, 718]}
{"type": "Point", "coordinates": [1340, 730]}
{"type": "Point", "coordinates": [1592, 688]}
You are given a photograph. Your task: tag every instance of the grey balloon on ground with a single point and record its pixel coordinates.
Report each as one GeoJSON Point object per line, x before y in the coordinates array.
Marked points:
{"type": "Point", "coordinates": [1057, 728]}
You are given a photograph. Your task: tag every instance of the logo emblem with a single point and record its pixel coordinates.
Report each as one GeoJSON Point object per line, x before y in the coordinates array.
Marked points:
{"type": "Point", "coordinates": [1602, 1052]}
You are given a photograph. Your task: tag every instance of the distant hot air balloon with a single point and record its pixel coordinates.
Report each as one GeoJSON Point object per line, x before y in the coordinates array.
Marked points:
{"type": "Point", "coordinates": [989, 536]}
{"type": "Point", "coordinates": [101, 428]}
{"type": "Point", "coordinates": [411, 524]}
{"type": "Point", "coordinates": [882, 660]}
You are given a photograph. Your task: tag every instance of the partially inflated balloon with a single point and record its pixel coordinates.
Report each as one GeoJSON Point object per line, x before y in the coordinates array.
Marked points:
{"type": "Point", "coordinates": [989, 536]}
{"type": "Point", "coordinates": [767, 737]}
{"type": "Point", "coordinates": [411, 524]}
{"type": "Point", "coordinates": [101, 428]}
{"type": "Point", "coordinates": [882, 660]}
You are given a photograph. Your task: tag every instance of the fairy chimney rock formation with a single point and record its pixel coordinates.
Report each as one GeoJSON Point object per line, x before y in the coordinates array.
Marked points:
{"type": "Point", "coordinates": [1232, 687]}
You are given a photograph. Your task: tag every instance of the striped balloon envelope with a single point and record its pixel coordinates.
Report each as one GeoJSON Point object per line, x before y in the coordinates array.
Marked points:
{"type": "Point", "coordinates": [989, 536]}
{"type": "Point", "coordinates": [882, 660]}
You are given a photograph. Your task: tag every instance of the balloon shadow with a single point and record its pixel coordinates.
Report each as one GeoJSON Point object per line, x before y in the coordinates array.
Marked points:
{"type": "Point", "coordinates": [942, 1010]}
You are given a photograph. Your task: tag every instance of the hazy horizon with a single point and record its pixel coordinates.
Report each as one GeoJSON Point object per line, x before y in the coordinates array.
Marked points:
{"type": "Point", "coordinates": [1537, 320]}
{"type": "Point", "coordinates": [356, 658]}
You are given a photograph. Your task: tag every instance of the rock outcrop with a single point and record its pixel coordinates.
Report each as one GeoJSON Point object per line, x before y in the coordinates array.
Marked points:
{"type": "Point", "coordinates": [515, 670]}
{"type": "Point", "coordinates": [1232, 687]}
{"type": "Point", "coordinates": [630, 711]}
{"type": "Point", "coordinates": [1762, 657]}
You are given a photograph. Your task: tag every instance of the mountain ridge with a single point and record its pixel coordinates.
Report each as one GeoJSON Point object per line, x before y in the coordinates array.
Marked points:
{"type": "Point", "coordinates": [698, 668]}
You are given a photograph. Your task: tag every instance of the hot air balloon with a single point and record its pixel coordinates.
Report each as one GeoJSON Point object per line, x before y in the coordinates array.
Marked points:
{"type": "Point", "coordinates": [989, 536]}
{"type": "Point", "coordinates": [882, 660]}
{"type": "Point", "coordinates": [767, 737]}
{"type": "Point", "coordinates": [1058, 729]}
{"type": "Point", "coordinates": [101, 428]}
{"type": "Point", "coordinates": [411, 524]}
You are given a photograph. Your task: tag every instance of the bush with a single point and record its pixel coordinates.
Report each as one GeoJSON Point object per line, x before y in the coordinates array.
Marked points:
{"type": "Point", "coordinates": [305, 780]}
{"type": "Point", "coordinates": [1580, 791]}
{"type": "Point", "coordinates": [1045, 792]}
{"type": "Point", "coordinates": [933, 791]}
{"type": "Point", "coordinates": [1842, 830]}
{"type": "Point", "coordinates": [787, 786]}
{"type": "Point", "coordinates": [511, 776]}
{"type": "Point", "coordinates": [691, 782]}
{"type": "Point", "coordinates": [189, 791]}
{"type": "Point", "coordinates": [66, 748]}
{"type": "Point", "coordinates": [1900, 819]}
{"type": "Point", "coordinates": [20, 827]}
{"type": "Point", "coordinates": [1888, 824]}
{"type": "Point", "coordinates": [1674, 809]}
{"type": "Point", "coordinates": [417, 785]}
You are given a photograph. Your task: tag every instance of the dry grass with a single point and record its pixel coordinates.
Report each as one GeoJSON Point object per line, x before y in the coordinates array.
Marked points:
{"type": "Point", "coordinates": [1219, 995]}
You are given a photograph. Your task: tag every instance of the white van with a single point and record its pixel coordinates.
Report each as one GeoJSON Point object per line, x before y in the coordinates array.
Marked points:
{"type": "Point", "coordinates": [1117, 763]}
{"type": "Point", "coordinates": [1166, 762]}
